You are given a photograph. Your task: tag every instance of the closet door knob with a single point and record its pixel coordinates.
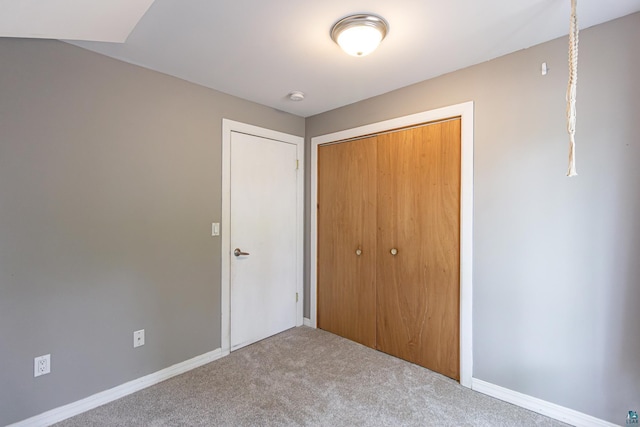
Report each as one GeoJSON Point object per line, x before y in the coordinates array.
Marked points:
{"type": "Point", "coordinates": [394, 251]}
{"type": "Point", "coordinates": [358, 251]}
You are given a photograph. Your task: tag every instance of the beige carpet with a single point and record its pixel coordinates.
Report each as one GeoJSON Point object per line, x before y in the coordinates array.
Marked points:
{"type": "Point", "coordinates": [308, 377]}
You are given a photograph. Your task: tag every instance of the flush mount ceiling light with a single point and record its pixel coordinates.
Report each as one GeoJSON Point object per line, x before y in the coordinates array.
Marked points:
{"type": "Point", "coordinates": [359, 35]}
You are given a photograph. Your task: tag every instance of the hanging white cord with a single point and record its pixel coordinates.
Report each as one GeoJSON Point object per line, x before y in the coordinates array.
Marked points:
{"type": "Point", "coordinates": [571, 89]}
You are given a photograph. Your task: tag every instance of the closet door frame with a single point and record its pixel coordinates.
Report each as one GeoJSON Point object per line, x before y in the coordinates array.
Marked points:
{"type": "Point", "coordinates": [465, 112]}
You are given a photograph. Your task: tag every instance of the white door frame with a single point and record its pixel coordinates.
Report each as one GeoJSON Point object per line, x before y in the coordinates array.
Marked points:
{"type": "Point", "coordinates": [229, 126]}
{"type": "Point", "coordinates": [465, 111]}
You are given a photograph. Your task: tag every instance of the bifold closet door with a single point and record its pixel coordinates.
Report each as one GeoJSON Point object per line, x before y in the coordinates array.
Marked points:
{"type": "Point", "coordinates": [347, 239]}
{"type": "Point", "coordinates": [418, 218]}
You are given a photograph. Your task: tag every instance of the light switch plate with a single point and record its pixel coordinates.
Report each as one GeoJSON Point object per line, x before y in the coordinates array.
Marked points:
{"type": "Point", "coordinates": [215, 228]}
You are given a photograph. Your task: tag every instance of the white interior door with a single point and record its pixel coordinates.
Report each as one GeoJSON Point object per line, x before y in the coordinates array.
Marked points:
{"type": "Point", "coordinates": [263, 227]}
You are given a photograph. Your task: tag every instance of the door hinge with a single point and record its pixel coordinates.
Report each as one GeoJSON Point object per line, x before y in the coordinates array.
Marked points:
{"type": "Point", "coordinates": [297, 164]}
{"type": "Point", "coordinates": [296, 297]}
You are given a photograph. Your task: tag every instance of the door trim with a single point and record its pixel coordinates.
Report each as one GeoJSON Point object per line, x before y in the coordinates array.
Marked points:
{"type": "Point", "coordinates": [229, 126]}
{"type": "Point", "coordinates": [465, 112]}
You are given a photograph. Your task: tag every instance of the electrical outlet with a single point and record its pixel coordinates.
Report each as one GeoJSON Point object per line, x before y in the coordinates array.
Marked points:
{"type": "Point", "coordinates": [138, 338]}
{"type": "Point", "coordinates": [41, 365]}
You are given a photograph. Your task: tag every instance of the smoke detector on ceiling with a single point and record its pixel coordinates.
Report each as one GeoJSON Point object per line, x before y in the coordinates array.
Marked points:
{"type": "Point", "coordinates": [296, 95]}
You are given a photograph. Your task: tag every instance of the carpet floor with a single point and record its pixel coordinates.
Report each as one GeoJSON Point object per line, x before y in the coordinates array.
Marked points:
{"type": "Point", "coordinates": [308, 377]}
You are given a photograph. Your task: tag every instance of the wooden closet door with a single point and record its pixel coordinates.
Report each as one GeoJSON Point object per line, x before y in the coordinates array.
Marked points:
{"type": "Point", "coordinates": [419, 215]}
{"type": "Point", "coordinates": [347, 223]}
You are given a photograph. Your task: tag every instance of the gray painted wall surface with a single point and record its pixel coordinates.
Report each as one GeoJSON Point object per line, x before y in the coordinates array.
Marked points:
{"type": "Point", "coordinates": [110, 177]}
{"type": "Point", "coordinates": [556, 260]}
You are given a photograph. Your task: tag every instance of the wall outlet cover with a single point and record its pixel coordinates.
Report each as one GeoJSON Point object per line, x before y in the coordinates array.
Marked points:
{"type": "Point", "coordinates": [138, 338]}
{"type": "Point", "coordinates": [41, 365]}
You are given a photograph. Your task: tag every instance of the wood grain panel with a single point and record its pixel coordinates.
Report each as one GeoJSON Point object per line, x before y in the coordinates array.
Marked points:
{"type": "Point", "coordinates": [418, 213]}
{"type": "Point", "coordinates": [346, 223]}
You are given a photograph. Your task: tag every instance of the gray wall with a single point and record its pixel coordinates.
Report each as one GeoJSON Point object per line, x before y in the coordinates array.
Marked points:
{"type": "Point", "coordinates": [110, 177]}
{"type": "Point", "coordinates": [556, 260]}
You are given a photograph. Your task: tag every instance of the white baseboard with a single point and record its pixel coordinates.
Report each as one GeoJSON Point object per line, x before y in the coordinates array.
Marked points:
{"type": "Point", "coordinates": [67, 411]}
{"type": "Point", "coordinates": [540, 406]}
{"type": "Point", "coordinates": [307, 322]}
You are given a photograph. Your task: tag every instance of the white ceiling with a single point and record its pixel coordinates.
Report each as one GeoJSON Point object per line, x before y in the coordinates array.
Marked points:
{"type": "Point", "coordinates": [96, 20]}
{"type": "Point", "coordinates": [262, 50]}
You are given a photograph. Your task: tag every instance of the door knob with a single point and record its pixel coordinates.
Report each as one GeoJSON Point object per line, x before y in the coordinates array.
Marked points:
{"type": "Point", "coordinates": [358, 251]}
{"type": "Point", "coordinates": [394, 251]}
{"type": "Point", "coordinates": [238, 252]}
